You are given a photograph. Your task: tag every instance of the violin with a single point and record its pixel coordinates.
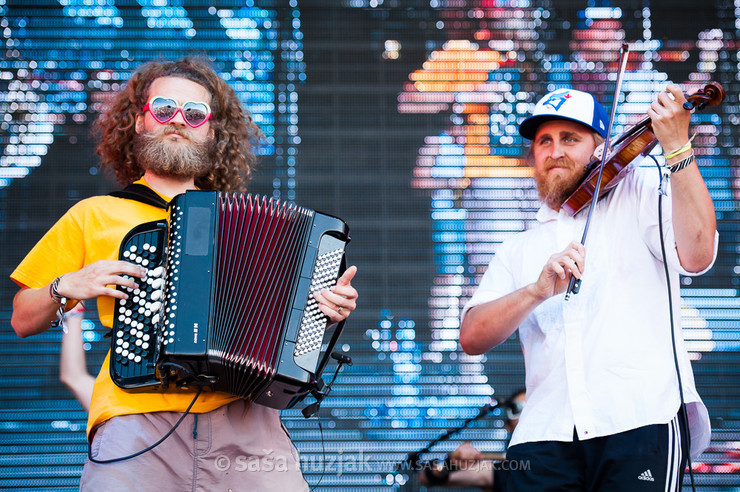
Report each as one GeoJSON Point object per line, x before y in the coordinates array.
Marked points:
{"type": "Point", "coordinates": [636, 142]}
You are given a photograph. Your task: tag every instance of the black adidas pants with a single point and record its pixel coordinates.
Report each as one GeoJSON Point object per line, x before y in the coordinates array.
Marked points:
{"type": "Point", "coordinates": [650, 458]}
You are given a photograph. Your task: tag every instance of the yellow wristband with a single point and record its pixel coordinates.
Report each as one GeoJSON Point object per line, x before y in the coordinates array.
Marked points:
{"type": "Point", "coordinates": [682, 149]}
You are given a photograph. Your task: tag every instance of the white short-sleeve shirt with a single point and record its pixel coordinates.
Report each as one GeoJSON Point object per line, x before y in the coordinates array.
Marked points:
{"type": "Point", "coordinates": [601, 362]}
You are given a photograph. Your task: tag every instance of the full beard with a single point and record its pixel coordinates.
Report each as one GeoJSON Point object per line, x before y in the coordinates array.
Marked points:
{"type": "Point", "coordinates": [188, 157]}
{"type": "Point", "coordinates": [556, 188]}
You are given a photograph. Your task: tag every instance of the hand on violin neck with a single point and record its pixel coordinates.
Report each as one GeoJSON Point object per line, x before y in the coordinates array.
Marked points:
{"type": "Point", "coordinates": [669, 119]}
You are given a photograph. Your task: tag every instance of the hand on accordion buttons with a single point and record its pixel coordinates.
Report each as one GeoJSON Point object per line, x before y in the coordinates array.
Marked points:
{"type": "Point", "coordinates": [99, 279]}
{"type": "Point", "coordinates": [339, 301]}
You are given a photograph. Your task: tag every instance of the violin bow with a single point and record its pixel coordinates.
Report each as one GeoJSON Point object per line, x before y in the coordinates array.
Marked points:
{"type": "Point", "coordinates": [575, 284]}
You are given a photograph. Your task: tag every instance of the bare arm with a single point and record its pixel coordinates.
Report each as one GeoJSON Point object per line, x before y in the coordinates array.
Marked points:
{"type": "Point", "coordinates": [694, 220]}
{"type": "Point", "coordinates": [469, 469]}
{"type": "Point", "coordinates": [491, 323]}
{"type": "Point", "coordinates": [34, 309]}
{"type": "Point", "coordinates": [72, 363]}
{"type": "Point", "coordinates": [478, 475]}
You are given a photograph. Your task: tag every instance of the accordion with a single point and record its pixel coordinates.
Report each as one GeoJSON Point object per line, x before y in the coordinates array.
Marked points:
{"type": "Point", "coordinates": [228, 302]}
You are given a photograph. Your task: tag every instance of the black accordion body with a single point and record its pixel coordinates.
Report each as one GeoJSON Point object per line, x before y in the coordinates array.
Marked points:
{"type": "Point", "coordinates": [227, 302]}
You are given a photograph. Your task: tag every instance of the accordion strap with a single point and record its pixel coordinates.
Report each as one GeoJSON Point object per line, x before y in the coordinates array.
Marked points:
{"type": "Point", "coordinates": [141, 193]}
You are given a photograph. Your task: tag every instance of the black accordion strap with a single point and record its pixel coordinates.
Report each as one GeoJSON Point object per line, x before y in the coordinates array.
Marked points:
{"type": "Point", "coordinates": [141, 193]}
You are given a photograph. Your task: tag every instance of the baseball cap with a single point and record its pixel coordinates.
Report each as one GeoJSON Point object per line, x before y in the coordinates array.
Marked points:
{"type": "Point", "coordinates": [566, 104]}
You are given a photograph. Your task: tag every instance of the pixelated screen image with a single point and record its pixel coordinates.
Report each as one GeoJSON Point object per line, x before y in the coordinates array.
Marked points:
{"type": "Point", "coordinates": [401, 118]}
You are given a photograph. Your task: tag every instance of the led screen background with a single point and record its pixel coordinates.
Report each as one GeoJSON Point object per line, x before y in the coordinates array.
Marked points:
{"type": "Point", "coordinates": [401, 119]}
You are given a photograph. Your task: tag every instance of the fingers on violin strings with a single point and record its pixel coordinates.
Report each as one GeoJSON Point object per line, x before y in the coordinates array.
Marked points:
{"type": "Point", "coordinates": [675, 91]}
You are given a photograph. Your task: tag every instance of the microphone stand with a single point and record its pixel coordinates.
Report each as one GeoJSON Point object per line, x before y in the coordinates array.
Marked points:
{"type": "Point", "coordinates": [411, 463]}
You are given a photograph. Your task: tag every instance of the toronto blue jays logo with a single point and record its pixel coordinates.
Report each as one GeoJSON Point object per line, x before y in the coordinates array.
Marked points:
{"type": "Point", "coordinates": [557, 99]}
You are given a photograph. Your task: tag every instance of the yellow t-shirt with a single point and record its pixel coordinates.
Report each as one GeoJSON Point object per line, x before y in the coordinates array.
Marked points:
{"type": "Point", "coordinates": [93, 230]}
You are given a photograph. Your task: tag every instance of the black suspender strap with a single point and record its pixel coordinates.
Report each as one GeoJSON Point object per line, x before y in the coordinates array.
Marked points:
{"type": "Point", "coordinates": [143, 194]}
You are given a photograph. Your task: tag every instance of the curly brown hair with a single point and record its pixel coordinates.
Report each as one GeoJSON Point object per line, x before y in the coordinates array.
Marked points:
{"type": "Point", "coordinates": [234, 132]}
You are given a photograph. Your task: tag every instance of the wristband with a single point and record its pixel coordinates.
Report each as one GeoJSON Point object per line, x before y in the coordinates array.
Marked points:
{"type": "Point", "coordinates": [683, 148]}
{"type": "Point", "coordinates": [54, 293]}
{"type": "Point", "coordinates": [58, 299]}
{"type": "Point", "coordinates": [681, 164]}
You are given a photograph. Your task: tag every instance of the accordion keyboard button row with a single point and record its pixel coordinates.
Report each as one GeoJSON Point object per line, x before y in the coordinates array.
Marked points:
{"type": "Point", "coordinates": [135, 323]}
{"type": "Point", "coordinates": [173, 266]}
{"type": "Point", "coordinates": [313, 323]}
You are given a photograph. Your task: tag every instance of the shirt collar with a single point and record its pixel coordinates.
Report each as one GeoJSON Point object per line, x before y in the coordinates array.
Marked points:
{"type": "Point", "coordinates": [546, 214]}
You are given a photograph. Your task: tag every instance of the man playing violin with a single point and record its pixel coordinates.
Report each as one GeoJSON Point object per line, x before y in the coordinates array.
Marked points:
{"type": "Point", "coordinates": [604, 407]}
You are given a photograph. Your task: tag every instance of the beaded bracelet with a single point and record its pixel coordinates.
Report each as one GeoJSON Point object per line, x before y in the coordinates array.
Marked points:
{"type": "Point", "coordinates": [681, 164]}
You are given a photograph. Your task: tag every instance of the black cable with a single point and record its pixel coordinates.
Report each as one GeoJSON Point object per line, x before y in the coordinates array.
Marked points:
{"type": "Point", "coordinates": [686, 431]}
{"type": "Point", "coordinates": [342, 359]}
{"type": "Point", "coordinates": [114, 460]}
{"type": "Point", "coordinates": [323, 454]}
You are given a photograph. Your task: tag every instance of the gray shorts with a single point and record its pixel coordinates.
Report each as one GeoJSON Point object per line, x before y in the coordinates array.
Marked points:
{"type": "Point", "coordinates": [238, 447]}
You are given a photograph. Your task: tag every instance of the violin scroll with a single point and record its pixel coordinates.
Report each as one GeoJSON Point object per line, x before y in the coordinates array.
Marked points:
{"type": "Point", "coordinates": [712, 95]}
{"type": "Point", "coordinates": [637, 141]}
